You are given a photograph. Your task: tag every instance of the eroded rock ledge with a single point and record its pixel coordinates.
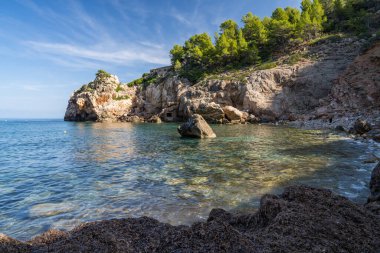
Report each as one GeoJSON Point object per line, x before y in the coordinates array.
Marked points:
{"type": "Point", "coordinates": [301, 219]}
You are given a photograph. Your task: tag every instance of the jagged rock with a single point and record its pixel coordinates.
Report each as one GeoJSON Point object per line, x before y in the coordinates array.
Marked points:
{"type": "Point", "coordinates": [358, 87]}
{"type": "Point", "coordinates": [155, 119]}
{"type": "Point", "coordinates": [374, 134]}
{"type": "Point", "coordinates": [196, 127]}
{"type": "Point", "coordinates": [340, 128]}
{"type": "Point", "coordinates": [131, 119]}
{"type": "Point", "coordinates": [104, 99]}
{"type": "Point", "coordinates": [234, 115]}
{"type": "Point", "coordinates": [374, 184]}
{"type": "Point", "coordinates": [253, 119]}
{"type": "Point", "coordinates": [211, 112]}
{"type": "Point", "coordinates": [361, 127]}
{"type": "Point", "coordinates": [301, 219]}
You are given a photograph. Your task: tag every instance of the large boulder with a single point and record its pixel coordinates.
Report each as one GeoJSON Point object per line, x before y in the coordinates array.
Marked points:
{"type": "Point", "coordinates": [211, 112]}
{"type": "Point", "coordinates": [234, 115]}
{"type": "Point", "coordinates": [196, 127]}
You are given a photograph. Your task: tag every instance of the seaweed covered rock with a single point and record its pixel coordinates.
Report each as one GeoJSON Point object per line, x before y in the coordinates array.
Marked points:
{"type": "Point", "coordinates": [301, 219]}
{"type": "Point", "coordinates": [196, 127]}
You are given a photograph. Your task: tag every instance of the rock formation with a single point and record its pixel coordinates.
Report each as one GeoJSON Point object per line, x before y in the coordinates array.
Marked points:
{"type": "Point", "coordinates": [104, 99]}
{"type": "Point", "coordinates": [196, 127]}
{"type": "Point", "coordinates": [332, 82]}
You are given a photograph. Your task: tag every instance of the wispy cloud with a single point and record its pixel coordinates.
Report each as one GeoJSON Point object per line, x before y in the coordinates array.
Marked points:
{"type": "Point", "coordinates": [100, 53]}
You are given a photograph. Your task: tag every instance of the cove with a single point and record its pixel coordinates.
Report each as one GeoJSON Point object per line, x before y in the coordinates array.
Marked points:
{"type": "Point", "coordinates": [56, 174]}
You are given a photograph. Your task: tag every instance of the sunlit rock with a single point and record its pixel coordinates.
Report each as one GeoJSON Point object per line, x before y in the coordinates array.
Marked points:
{"type": "Point", "coordinates": [196, 127]}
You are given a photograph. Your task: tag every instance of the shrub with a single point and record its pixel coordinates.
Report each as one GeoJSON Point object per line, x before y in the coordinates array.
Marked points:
{"type": "Point", "coordinates": [294, 58]}
{"type": "Point", "coordinates": [121, 97]}
{"type": "Point", "coordinates": [119, 88]}
{"type": "Point", "coordinates": [102, 74]}
{"type": "Point", "coordinates": [267, 65]}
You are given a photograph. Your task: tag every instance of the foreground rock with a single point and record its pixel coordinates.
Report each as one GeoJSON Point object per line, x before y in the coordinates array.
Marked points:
{"type": "Point", "coordinates": [196, 127]}
{"type": "Point", "coordinates": [374, 184]}
{"type": "Point", "coordinates": [302, 219]}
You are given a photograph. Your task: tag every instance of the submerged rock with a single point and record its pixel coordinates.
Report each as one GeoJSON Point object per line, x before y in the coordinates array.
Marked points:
{"type": "Point", "coordinates": [196, 127]}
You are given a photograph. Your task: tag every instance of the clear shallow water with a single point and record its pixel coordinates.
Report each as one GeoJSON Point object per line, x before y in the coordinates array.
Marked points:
{"type": "Point", "coordinates": [56, 174]}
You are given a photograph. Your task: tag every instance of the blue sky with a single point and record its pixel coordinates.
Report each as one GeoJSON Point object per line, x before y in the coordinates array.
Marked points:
{"type": "Point", "coordinates": [49, 48]}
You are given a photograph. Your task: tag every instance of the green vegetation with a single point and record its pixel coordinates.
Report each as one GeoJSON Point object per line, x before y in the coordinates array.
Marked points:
{"type": "Point", "coordinates": [294, 58]}
{"type": "Point", "coordinates": [85, 88]}
{"type": "Point", "coordinates": [144, 81]}
{"type": "Point", "coordinates": [102, 74]}
{"type": "Point", "coordinates": [267, 65]}
{"type": "Point", "coordinates": [121, 97]}
{"type": "Point", "coordinates": [260, 40]}
{"type": "Point", "coordinates": [119, 88]}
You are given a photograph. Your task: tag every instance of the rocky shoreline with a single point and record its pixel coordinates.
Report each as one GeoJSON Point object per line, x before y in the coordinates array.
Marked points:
{"type": "Point", "coordinates": [334, 83]}
{"type": "Point", "coordinates": [301, 219]}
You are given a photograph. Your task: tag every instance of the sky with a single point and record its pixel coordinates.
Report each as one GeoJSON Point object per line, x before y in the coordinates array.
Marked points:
{"type": "Point", "coordinates": [49, 48]}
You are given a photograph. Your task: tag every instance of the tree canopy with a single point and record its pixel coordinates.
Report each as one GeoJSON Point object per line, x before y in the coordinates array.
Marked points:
{"type": "Point", "coordinates": [258, 39]}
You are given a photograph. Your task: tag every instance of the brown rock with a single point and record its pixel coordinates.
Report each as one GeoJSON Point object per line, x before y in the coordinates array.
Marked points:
{"type": "Point", "coordinates": [155, 119]}
{"type": "Point", "coordinates": [196, 127]}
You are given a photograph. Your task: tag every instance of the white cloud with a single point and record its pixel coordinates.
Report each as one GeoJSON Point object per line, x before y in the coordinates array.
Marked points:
{"type": "Point", "coordinates": [116, 55]}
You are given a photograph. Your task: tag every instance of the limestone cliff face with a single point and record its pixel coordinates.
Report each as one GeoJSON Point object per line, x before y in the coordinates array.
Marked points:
{"type": "Point", "coordinates": [104, 99]}
{"type": "Point", "coordinates": [326, 75]}
{"type": "Point", "coordinates": [358, 87]}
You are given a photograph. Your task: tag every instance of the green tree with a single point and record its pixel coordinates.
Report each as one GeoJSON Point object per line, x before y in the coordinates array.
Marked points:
{"type": "Point", "coordinates": [280, 14]}
{"type": "Point", "coordinates": [294, 15]}
{"type": "Point", "coordinates": [312, 19]}
{"type": "Point", "coordinates": [198, 49]}
{"type": "Point", "coordinates": [227, 44]}
{"type": "Point", "coordinates": [254, 30]}
{"type": "Point", "coordinates": [176, 54]}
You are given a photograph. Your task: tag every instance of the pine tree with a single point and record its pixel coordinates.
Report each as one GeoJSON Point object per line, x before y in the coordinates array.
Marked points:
{"type": "Point", "coordinates": [254, 30]}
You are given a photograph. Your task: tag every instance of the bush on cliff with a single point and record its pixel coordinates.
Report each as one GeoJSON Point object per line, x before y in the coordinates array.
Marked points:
{"type": "Point", "coordinates": [102, 74]}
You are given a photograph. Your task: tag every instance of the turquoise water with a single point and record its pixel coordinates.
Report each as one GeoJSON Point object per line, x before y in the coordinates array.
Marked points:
{"type": "Point", "coordinates": [56, 174]}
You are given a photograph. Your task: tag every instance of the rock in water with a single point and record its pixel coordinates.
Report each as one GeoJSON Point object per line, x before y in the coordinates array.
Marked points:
{"type": "Point", "coordinates": [234, 115]}
{"type": "Point", "coordinates": [155, 119]}
{"type": "Point", "coordinates": [361, 127]}
{"type": "Point", "coordinates": [196, 127]}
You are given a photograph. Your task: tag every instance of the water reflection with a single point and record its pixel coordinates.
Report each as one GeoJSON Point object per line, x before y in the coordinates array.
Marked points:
{"type": "Point", "coordinates": [103, 171]}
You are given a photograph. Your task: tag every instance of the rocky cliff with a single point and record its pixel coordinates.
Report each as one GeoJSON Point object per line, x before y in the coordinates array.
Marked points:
{"type": "Point", "coordinates": [104, 99]}
{"type": "Point", "coordinates": [327, 79]}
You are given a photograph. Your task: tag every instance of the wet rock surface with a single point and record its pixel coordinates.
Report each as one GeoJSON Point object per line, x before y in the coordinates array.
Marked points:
{"type": "Point", "coordinates": [301, 219]}
{"type": "Point", "coordinates": [196, 127]}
